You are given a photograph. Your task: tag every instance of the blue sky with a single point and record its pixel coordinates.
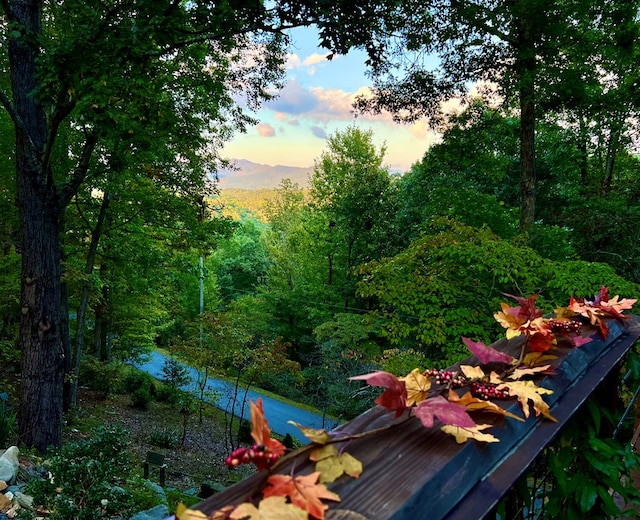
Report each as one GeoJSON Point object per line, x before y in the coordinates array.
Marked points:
{"type": "Point", "coordinates": [315, 103]}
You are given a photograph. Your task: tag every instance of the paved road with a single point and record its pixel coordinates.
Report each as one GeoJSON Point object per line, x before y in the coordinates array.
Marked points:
{"type": "Point", "coordinates": [276, 412]}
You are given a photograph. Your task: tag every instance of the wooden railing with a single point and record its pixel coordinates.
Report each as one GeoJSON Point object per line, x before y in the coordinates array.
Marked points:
{"type": "Point", "coordinates": [411, 472]}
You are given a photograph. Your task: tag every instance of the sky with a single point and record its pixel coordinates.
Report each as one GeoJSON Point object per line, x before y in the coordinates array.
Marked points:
{"type": "Point", "coordinates": [315, 103]}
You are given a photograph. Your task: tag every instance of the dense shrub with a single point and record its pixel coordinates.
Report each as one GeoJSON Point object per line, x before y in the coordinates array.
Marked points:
{"type": "Point", "coordinates": [88, 478]}
{"type": "Point", "coordinates": [101, 377]}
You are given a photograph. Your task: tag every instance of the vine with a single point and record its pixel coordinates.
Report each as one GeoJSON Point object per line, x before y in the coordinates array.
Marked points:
{"type": "Point", "coordinates": [444, 398]}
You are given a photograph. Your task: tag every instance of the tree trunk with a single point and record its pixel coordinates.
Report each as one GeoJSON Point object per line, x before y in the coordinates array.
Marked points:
{"type": "Point", "coordinates": [526, 67]}
{"type": "Point", "coordinates": [43, 356]}
{"type": "Point", "coordinates": [84, 298]}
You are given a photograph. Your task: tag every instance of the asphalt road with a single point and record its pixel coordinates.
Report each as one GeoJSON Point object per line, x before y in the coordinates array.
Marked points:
{"type": "Point", "coordinates": [276, 412]}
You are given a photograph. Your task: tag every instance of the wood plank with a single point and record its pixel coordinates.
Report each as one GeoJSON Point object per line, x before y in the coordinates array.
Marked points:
{"type": "Point", "coordinates": [409, 470]}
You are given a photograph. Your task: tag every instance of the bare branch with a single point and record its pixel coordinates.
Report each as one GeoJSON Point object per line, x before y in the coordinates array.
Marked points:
{"type": "Point", "coordinates": [69, 189]}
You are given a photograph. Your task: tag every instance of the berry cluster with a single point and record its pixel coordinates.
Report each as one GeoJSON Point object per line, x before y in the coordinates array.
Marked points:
{"type": "Point", "coordinates": [565, 327]}
{"type": "Point", "coordinates": [488, 391]}
{"type": "Point", "coordinates": [256, 454]}
{"type": "Point", "coordinates": [446, 377]}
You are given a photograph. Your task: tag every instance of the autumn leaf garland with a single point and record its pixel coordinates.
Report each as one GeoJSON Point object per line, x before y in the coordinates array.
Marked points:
{"type": "Point", "coordinates": [431, 396]}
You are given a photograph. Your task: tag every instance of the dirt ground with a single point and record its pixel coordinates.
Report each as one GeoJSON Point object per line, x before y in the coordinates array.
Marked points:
{"type": "Point", "coordinates": [200, 459]}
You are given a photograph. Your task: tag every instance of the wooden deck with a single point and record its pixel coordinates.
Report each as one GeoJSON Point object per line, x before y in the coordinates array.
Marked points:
{"type": "Point", "coordinates": [411, 472]}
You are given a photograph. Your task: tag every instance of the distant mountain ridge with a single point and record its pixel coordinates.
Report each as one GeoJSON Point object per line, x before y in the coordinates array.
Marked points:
{"type": "Point", "coordinates": [253, 176]}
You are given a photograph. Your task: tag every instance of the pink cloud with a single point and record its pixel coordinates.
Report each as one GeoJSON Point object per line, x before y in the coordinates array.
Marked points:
{"type": "Point", "coordinates": [265, 130]}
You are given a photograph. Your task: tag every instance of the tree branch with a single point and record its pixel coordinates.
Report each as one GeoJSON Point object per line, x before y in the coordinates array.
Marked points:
{"type": "Point", "coordinates": [69, 189]}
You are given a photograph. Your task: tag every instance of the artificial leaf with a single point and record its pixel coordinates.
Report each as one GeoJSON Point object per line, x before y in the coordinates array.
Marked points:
{"type": "Point", "coordinates": [474, 432]}
{"type": "Point", "coordinates": [394, 398]}
{"type": "Point", "coordinates": [472, 372]}
{"type": "Point", "coordinates": [317, 436]}
{"type": "Point", "coordinates": [519, 373]}
{"type": "Point", "coordinates": [332, 464]}
{"type": "Point", "coordinates": [540, 342]}
{"type": "Point", "coordinates": [508, 318]}
{"type": "Point", "coordinates": [417, 386]}
{"type": "Point", "coordinates": [183, 513]}
{"type": "Point", "coordinates": [473, 404]}
{"type": "Point", "coordinates": [446, 412]}
{"type": "Point", "coordinates": [527, 310]}
{"type": "Point", "coordinates": [261, 433]}
{"type": "Point", "coordinates": [272, 508]}
{"type": "Point", "coordinates": [222, 514]}
{"type": "Point", "coordinates": [303, 491]}
{"type": "Point", "coordinates": [533, 359]}
{"type": "Point", "coordinates": [528, 391]}
{"type": "Point", "coordinates": [487, 354]}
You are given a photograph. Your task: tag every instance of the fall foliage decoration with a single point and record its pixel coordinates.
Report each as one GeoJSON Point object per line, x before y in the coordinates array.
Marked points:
{"type": "Point", "coordinates": [447, 399]}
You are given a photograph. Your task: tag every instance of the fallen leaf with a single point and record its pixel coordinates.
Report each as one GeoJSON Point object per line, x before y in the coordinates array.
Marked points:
{"type": "Point", "coordinates": [487, 354]}
{"type": "Point", "coordinates": [394, 398]}
{"type": "Point", "coordinates": [528, 391]}
{"type": "Point", "coordinates": [473, 404]}
{"type": "Point", "coordinates": [303, 491]}
{"type": "Point", "coordinates": [464, 434]}
{"type": "Point", "coordinates": [446, 412]}
{"type": "Point", "coordinates": [472, 372]}
{"type": "Point", "coordinates": [272, 508]}
{"type": "Point", "coordinates": [332, 464]}
{"type": "Point", "coordinates": [317, 436]}
{"type": "Point", "coordinates": [417, 387]}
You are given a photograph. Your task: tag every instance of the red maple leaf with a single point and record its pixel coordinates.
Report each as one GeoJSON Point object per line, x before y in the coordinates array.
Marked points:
{"type": "Point", "coordinates": [445, 411]}
{"type": "Point", "coordinates": [394, 398]}
{"type": "Point", "coordinates": [487, 354]}
{"type": "Point", "coordinates": [527, 310]}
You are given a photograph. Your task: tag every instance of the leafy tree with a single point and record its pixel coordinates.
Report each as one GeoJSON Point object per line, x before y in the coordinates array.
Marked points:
{"type": "Point", "coordinates": [105, 69]}
{"type": "Point", "coordinates": [448, 284]}
{"type": "Point", "coordinates": [499, 42]}
{"type": "Point", "coordinates": [350, 191]}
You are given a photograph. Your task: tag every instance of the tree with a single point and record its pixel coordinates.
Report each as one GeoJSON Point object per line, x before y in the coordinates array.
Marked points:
{"type": "Point", "coordinates": [350, 192]}
{"type": "Point", "coordinates": [495, 41]}
{"type": "Point", "coordinates": [121, 67]}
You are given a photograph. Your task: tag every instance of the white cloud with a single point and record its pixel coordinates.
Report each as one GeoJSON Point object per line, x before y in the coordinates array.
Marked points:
{"type": "Point", "coordinates": [265, 130]}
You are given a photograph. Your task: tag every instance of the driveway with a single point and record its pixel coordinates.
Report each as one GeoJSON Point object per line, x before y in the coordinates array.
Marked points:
{"type": "Point", "coordinates": [276, 412]}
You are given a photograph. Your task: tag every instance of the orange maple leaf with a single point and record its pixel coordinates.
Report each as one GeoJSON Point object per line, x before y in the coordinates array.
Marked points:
{"type": "Point", "coordinates": [303, 491]}
{"type": "Point", "coordinates": [417, 387]}
{"type": "Point", "coordinates": [261, 433]}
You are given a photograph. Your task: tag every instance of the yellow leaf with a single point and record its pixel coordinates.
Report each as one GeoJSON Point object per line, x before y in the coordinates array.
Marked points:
{"type": "Point", "coordinates": [519, 373]}
{"type": "Point", "coordinates": [528, 391]}
{"type": "Point", "coordinates": [332, 465]}
{"type": "Point", "coordinates": [272, 508]}
{"type": "Point", "coordinates": [472, 372]}
{"type": "Point", "coordinates": [475, 433]}
{"type": "Point", "coordinates": [183, 513]}
{"type": "Point", "coordinates": [533, 359]}
{"type": "Point", "coordinates": [317, 436]}
{"type": "Point", "coordinates": [417, 387]}
{"type": "Point", "coordinates": [473, 404]}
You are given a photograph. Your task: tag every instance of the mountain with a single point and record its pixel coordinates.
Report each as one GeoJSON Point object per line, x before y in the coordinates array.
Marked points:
{"type": "Point", "coordinates": [248, 175]}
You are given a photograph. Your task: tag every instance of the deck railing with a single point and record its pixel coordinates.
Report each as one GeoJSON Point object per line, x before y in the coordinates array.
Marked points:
{"type": "Point", "coordinates": [411, 472]}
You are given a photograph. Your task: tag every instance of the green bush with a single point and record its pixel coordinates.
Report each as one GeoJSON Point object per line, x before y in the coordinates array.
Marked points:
{"type": "Point", "coordinates": [136, 379]}
{"type": "Point", "coordinates": [88, 478]}
{"type": "Point", "coordinates": [7, 420]}
{"type": "Point", "coordinates": [164, 438]}
{"type": "Point", "coordinates": [99, 376]}
{"type": "Point", "coordinates": [141, 398]}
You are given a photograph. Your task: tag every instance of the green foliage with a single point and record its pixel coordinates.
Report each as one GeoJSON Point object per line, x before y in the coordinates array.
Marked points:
{"type": "Point", "coordinates": [141, 398]}
{"type": "Point", "coordinates": [7, 421]}
{"type": "Point", "coordinates": [586, 465]}
{"type": "Point", "coordinates": [449, 283]}
{"type": "Point", "coordinates": [87, 476]}
{"type": "Point", "coordinates": [175, 374]}
{"type": "Point", "coordinates": [164, 438]}
{"type": "Point", "coordinates": [101, 377]}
